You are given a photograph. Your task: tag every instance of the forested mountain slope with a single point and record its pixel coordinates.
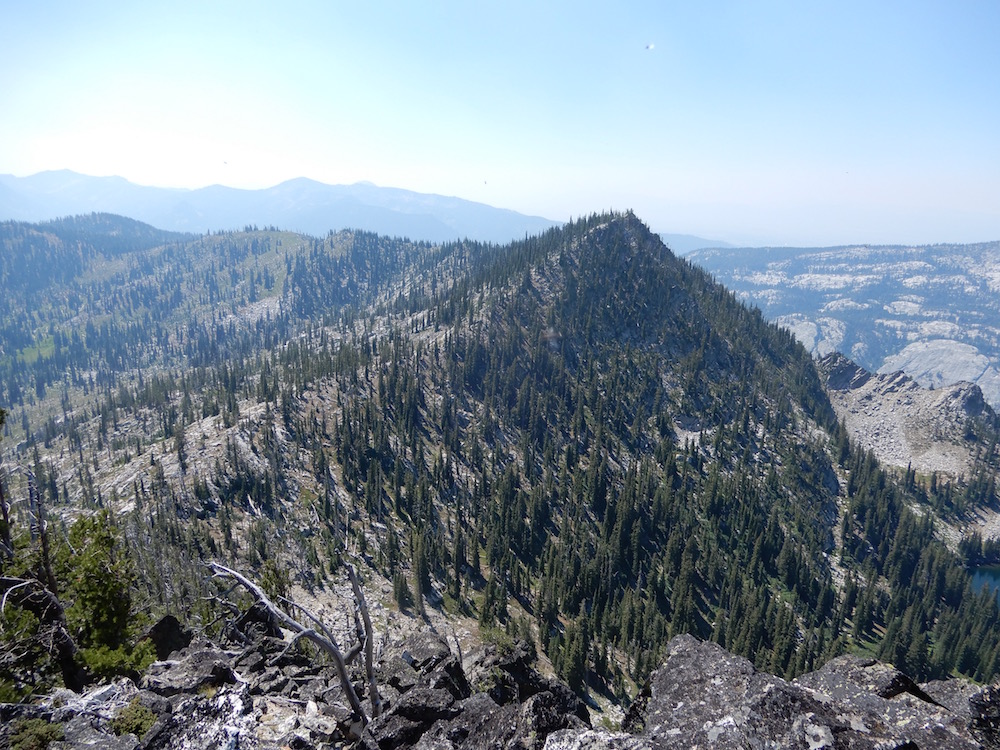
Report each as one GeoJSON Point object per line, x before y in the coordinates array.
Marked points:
{"type": "Point", "coordinates": [578, 438]}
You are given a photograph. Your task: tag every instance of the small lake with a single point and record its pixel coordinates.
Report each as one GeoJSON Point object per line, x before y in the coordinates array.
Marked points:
{"type": "Point", "coordinates": [986, 575]}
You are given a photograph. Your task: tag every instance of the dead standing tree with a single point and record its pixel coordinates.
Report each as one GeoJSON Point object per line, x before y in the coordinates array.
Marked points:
{"type": "Point", "coordinates": [321, 636]}
{"type": "Point", "coordinates": [38, 593]}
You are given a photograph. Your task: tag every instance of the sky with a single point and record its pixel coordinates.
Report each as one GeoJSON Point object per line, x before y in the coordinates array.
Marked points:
{"type": "Point", "coordinates": [801, 123]}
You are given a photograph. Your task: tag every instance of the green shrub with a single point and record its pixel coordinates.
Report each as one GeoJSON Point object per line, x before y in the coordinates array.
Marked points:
{"type": "Point", "coordinates": [95, 580]}
{"type": "Point", "coordinates": [106, 663]}
{"type": "Point", "coordinates": [35, 734]}
{"type": "Point", "coordinates": [135, 718]}
{"type": "Point", "coordinates": [98, 579]}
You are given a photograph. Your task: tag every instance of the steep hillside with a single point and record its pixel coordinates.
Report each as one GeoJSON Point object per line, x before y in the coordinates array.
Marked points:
{"type": "Point", "coordinates": [578, 439]}
{"type": "Point", "coordinates": [931, 311]}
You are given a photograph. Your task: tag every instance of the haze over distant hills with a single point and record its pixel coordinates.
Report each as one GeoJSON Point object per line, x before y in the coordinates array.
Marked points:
{"type": "Point", "coordinates": [931, 312]}
{"type": "Point", "coordinates": [300, 205]}
{"type": "Point", "coordinates": [683, 244]}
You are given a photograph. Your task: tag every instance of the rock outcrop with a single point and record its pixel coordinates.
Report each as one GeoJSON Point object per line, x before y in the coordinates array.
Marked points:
{"type": "Point", "coordinates": [497, 700]}
{"type": "Point", "coordinates": [903, 423]}
{"type": "Point", "coordinates": [262, 698]}
{"type": "Point", "coordinates": [705, 697]}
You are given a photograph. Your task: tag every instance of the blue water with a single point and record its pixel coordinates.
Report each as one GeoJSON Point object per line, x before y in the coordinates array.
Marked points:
{"type": "Point", "coordinates": [986, 575]}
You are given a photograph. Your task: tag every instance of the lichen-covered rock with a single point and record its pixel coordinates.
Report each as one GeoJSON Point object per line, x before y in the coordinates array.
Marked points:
{"type": "Point", "coordinates": [423, 651]}
{"type": "Point", "coordinates": [504, 671]}
{"type": "Point", "coordinates": [84, 731]}
{"type": "Point", "coordinates": [480, 724]}
{"type": "Point", "coordinates": [881, 701]}
{"type": "Point", "coordinates": [984, 708]}
{"type": "Point", "coordinates": [544, 713]}
{"type": "Point", "coordinates": [850, 678]}
{"type": "Point", "coordinates": [423, 658]}
{"type": "Point", "coordinates": [953, 694]}
{"type": "Point", "coordinates": [704, 696]}
{"type": "Point", "coordinates": [511, 705]}
{"type": "Point", "coordinates": [200, 721]}
{"type": "Point", "coordinates": [195, 668]}
{"type": "Point", "coordinates": [595, 739]}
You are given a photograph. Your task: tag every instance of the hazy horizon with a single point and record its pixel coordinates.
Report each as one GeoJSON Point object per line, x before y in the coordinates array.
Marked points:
{"type": "Point", "coordinates": [770, 123]}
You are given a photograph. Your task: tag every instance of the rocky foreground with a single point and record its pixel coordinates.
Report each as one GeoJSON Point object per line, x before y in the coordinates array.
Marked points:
{"type": "Point", "coordinates": [267, 696]}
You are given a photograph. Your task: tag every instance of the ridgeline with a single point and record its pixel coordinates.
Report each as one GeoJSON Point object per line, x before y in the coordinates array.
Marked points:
{"type": "Point", "coordinates": [578, 439]}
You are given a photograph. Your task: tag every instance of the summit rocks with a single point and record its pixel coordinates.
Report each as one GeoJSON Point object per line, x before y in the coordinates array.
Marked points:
{"type": "Point", "coordinates": [702, 696]}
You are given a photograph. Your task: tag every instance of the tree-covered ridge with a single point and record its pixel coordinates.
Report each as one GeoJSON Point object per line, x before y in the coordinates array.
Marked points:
{"type": "Point", "coordinates": [577, 437]}
{"type": "Point", "coordinates": [92, 297]}
{"type": "Point", "coordinates": [42, 269]}
{"type": "Point", "coordinates": [576, 420]}
{"type": "Point", "coordinates": [580, 378]}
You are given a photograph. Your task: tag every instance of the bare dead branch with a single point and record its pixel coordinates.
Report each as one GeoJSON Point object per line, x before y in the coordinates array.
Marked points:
{"type": "Point", "coordinates": [6, 545]}
{"type": "Point", "coordinates": [32, 596]}
{"type": "Point", "coordinates": [311, 616]}
{"type": "Point", "coordinates": [350, 655]}
{"type": "Point", "coordinates": [222, 603]}
{"type": "Point", "coordinates": [286, 620]}
{"type": "Point", "coordinates": [41, 526]}
{"type": "Point", "coordinates": [309, 633]}
{"type": "Point", "coordinates": [7, 593]}
{"type": "Point", "coordinates": [369, 640]}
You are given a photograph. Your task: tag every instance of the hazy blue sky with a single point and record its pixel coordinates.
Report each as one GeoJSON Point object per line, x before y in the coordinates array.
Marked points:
{"type": "Point", "coordinates": [785, 122]}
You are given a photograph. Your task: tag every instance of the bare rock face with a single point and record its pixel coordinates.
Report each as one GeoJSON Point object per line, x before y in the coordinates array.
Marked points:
{"type": "Point", "coordinates": [168, 636]}
{"type": "Point", "coordinates": [903, 423]}
{"type": "Point", "coordinates": [844, 375]}
{"type": "Point", "coordinates": [704, 697]}
{"type": "Point", "coordinates": [879, 701]}
{"type": "Point", "coordinates": [932, 312]}
{"type": "Point", "coordinates": [497, 701]}
{"type": "Point", "coordinates": [195, 669]}
{"type": "Point", "coordinates": [595, 739]}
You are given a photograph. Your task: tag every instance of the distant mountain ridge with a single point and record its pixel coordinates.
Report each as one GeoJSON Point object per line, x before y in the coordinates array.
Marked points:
{"type": "Point", "coordinates": [683, 244]}
{"type": "Point", "coordinates": [300, 204]}
{"type": "Point", "coordinates": [931, 311]}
